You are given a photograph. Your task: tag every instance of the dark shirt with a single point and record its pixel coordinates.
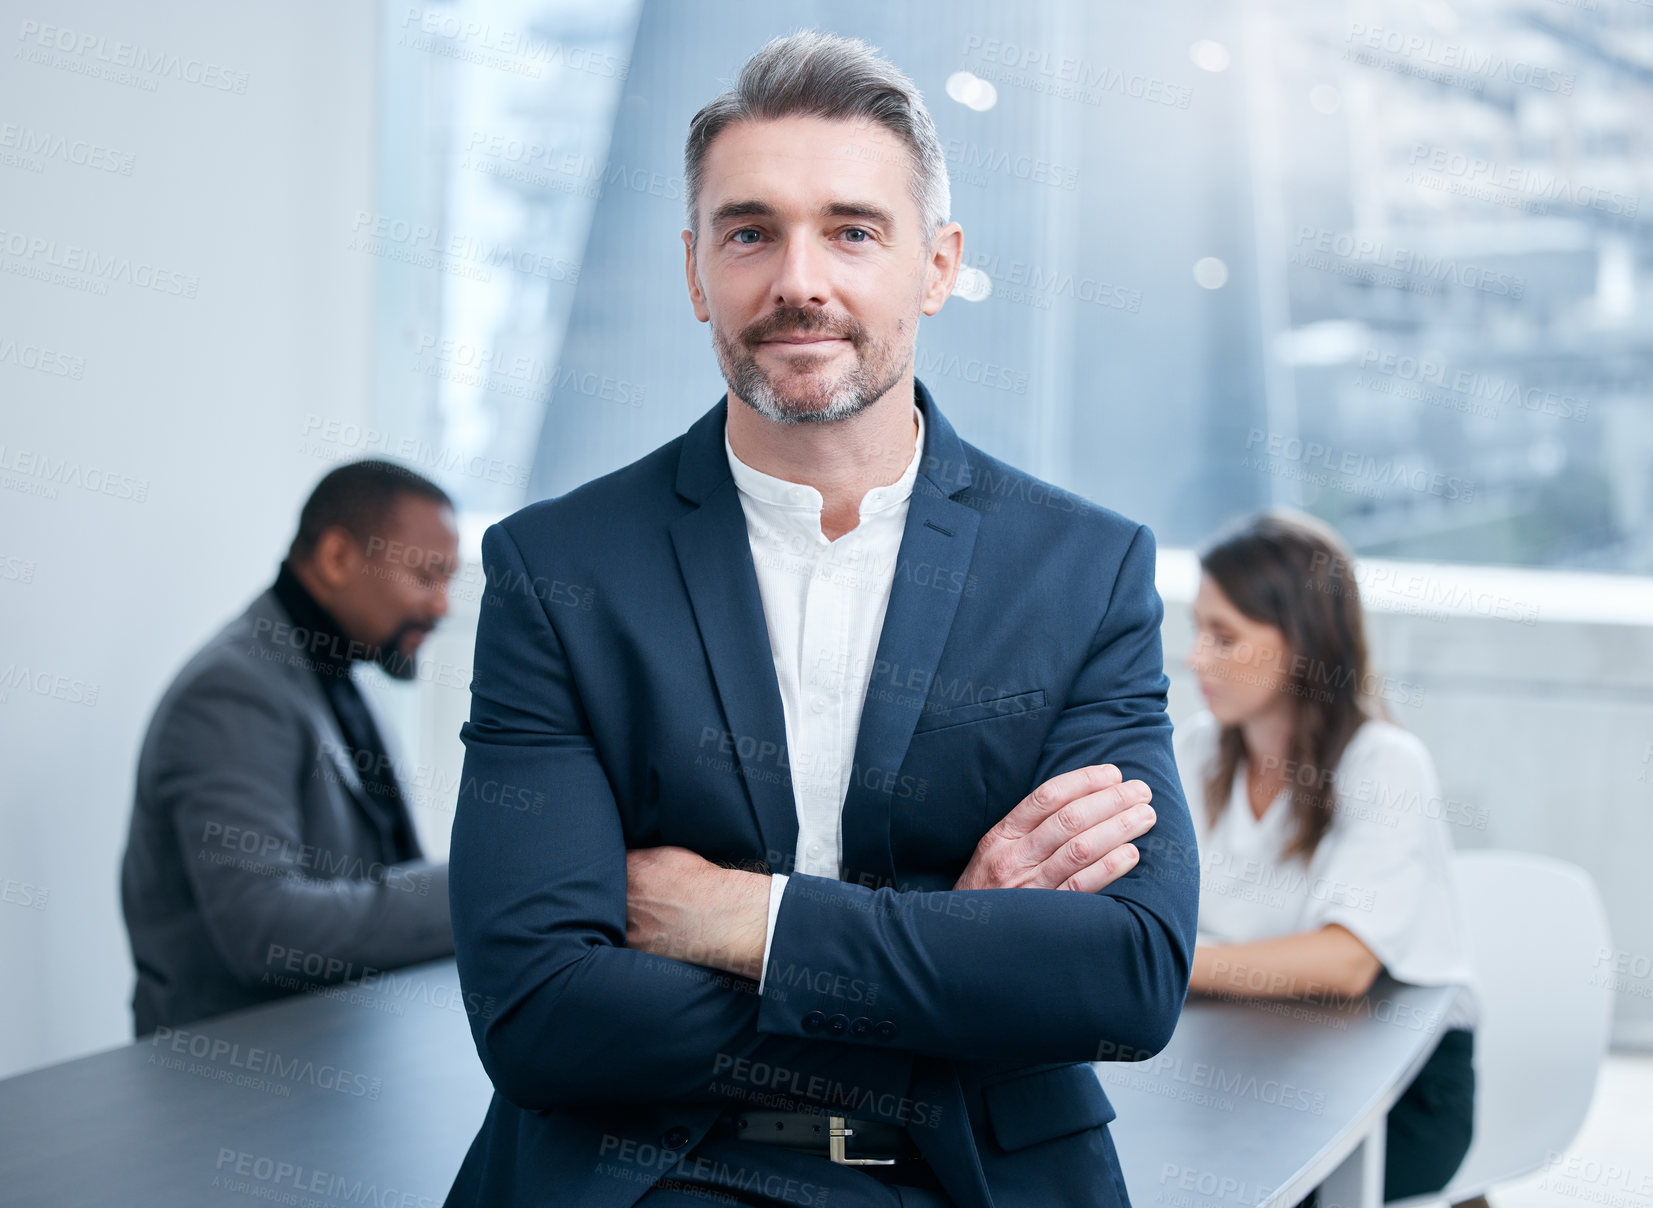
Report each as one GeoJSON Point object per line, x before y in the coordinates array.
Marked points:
{"type": "Point", "coordinates": [329, 653]}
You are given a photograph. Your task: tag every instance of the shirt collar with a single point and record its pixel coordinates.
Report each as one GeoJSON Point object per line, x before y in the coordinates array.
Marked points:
{"type": "Point", "coordinates": [306, 612]}
{"type": "Point", "coordinates": [779, 492]}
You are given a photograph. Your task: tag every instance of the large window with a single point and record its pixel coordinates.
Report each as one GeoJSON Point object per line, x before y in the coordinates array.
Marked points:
{"type": "Point", "coordinates": [494, 141]}
{"type": "Point", "coordinates": [1388, 261]}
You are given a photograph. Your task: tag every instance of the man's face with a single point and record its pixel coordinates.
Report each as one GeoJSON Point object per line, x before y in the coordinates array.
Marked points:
{"type": "Point", "coordinates": [400, 589]}
{"type": "Point", "coordinates": [811, 265]}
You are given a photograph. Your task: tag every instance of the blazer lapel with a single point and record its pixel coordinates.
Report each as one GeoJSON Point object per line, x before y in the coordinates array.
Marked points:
{"type": "Point", "coordinates": [937, 544]}
{"type": "Point", "coordinates": [715, 557]}
{"type": "Point", "coordinates": [335, 751]}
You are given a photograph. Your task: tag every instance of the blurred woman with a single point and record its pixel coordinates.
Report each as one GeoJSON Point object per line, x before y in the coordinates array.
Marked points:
{"type": "Point", "coordinates": [1324, 856]}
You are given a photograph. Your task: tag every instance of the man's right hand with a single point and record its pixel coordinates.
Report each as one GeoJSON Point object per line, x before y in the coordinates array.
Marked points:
{"type": "Point", "coordinates": [1072, 832]}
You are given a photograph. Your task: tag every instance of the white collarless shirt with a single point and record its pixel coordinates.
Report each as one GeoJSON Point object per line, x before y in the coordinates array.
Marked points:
{"type": "Point", "coordinates": [824, 604]}
{"type": "Point", "coordinates": [1383, 869]}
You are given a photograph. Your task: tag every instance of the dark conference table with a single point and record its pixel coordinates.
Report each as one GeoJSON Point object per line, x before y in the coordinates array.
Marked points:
{"type": "Point", "coordinates": [370, 1094]}
{"type": "Point", "coordinates": [1255, 1103]}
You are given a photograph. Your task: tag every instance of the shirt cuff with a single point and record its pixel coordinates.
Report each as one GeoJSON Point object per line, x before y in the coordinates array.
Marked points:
{"type": "Point", "coordinates": [777, 886]}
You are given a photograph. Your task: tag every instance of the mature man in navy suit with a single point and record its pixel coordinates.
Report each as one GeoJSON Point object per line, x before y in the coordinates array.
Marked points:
{"type": "Point", "coordinates": [845, 729]}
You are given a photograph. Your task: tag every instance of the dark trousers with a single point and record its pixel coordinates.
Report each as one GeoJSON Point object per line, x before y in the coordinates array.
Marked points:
{"type": "Point", "coordinates": [732, 1172]}
{"type": "Point", "coordinates": [1429, 1128]}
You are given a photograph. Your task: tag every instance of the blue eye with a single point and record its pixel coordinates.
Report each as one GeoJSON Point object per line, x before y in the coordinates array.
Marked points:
{"type": "Point", "coordinates": [743, 231]}
{"type": "Point", "coordinates": [863, 231]}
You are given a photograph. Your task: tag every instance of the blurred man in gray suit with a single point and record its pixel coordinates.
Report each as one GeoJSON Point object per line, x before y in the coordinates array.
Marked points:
{"type": "Point", "coordinates": [270, 848]}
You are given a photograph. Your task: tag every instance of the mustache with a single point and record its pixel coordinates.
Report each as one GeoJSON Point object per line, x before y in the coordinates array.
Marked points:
{"type": "Point", "coordinates": [802, 321]}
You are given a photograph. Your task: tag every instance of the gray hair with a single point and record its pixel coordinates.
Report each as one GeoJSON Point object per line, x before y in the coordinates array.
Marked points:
{"type": "Point", "coordinates": [811, 74]}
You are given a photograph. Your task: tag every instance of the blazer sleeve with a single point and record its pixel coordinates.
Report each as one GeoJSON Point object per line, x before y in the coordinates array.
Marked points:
{"type": "Point", "coordinates": [539, 909]}
{"type": "Point", "coordinates": [1031, 974]}
{"type": "Point", "coordinates": [228, 762]}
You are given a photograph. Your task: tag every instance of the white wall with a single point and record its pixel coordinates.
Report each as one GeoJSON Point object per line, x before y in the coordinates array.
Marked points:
{"type": "Point", "coordinates": [200, 400]}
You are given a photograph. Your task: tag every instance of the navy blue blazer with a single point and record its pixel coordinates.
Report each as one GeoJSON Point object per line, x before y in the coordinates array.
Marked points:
{"type": "Point", "coordinates": [624, 696]}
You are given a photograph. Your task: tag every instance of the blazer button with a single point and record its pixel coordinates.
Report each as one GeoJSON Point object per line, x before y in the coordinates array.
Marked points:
{"type": "Point", "coordinates": [675, 1138]}
{"type": "Point", "coordinates": [860, 1026]}
{"type": "Point", "coordinates": [885, 1029]}
{"type": "Point", "coordinates": [814, 1021]}
{"type": "Point", "coordinates": [838, 1024]}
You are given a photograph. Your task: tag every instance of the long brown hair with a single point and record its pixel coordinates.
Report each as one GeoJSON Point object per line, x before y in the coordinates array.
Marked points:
{"type": "Point", "coordinates": [1291, 570]}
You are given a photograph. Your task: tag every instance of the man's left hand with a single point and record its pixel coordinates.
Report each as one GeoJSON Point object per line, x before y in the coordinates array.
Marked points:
{"type": "Point", "coordinates": [682, 906]}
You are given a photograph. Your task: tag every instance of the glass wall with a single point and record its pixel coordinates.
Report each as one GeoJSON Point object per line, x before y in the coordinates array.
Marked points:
{"type": "Point", "coordinates": [1387, 261]}
{"type": "Point", "coordinates": [494, 140]}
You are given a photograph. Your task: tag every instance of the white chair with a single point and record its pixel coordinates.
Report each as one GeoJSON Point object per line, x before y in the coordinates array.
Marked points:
{"type": "Point", "coordinates": [1536, 931]}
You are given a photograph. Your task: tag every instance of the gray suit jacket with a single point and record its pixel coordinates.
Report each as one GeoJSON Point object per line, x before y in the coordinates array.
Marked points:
{"type": "Point", "coordinates": [252, 868]}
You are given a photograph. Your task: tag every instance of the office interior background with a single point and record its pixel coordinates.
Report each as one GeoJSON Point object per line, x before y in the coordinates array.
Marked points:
{"type": "Point", "coordinates": [1389, 261]}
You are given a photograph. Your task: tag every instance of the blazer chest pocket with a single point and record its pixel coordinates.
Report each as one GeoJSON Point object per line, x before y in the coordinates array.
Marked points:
{"type": "Point", "coordinates": [1050, 1103]}
{"type": "Point", "coordinates": [1014, 705]}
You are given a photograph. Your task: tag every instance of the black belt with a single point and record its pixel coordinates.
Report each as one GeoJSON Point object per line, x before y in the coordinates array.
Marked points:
{"type": "Point", "coordinates": [849, 1140]}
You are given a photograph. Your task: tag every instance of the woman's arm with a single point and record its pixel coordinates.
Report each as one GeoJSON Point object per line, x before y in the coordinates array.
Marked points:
{"type": "Point", "coordinates": [1308, 965]}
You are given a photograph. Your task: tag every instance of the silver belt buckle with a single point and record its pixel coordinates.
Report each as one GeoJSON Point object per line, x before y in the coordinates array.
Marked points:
{"type": "Point", "coordinates": [836, 1132]}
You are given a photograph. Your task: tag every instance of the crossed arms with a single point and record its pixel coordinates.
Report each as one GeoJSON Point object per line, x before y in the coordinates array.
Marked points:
{"type": "Point", "coordinates": [1006, 966]}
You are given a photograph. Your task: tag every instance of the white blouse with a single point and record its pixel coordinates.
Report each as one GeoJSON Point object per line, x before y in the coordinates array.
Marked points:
{"type": "Point", "coordinates": [1383, 869]}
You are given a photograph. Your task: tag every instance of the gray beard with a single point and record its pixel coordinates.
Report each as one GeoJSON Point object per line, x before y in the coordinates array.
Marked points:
{"type": "Point", "coordinates": [853, 392]}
